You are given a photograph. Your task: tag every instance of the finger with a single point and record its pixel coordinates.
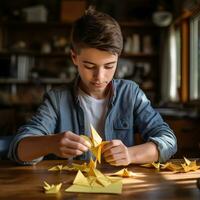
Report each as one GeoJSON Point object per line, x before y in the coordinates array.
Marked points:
{"type": "Point", "coordinates": [115, 157]}
{"type": "Point", "coordinates": [75, 145]}
{"type": "Point", "coordinates": [111, 144]}
{"type": "Point", "coordinates": [70, 152]}
{"type": "Point", "coordinates": [77, 138]}
{"type": "Point", "coordinates": [112, 151]}
{"type": "Point", "coordinates": [122, 162]}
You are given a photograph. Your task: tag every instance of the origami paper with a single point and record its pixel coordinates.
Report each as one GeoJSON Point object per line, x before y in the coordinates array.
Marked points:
{"type": "Point", "coordinates": [190, 165]}
{"type": "Point", "coordinates": [82, 167]}
{"type": "Point", "coordinates": [98, 183]}
{"type": "Point", "coordinates": [101, 178]}
{"type": "Point", "coordinates": [123, 173]}
{"type": "Point", "coordinates": [52, 189]}
{"type": "Point", "coordinates": [56, 168]}
{"type": "Point", "coordinates": [75, 167]}
{"type": "Point", "coordinates": [95, 137]}
{"type": "Point", "coordinates": [153, 164]}
{"type": "Point", "coordinates": [91, 166]}
{"type": "Point", "coordinates": [80, 179]}
{"type": "Point", "coordinates": [171, 166]}
{"type": "Point", "coordinates": [184, 167]}
{"type": "Point", "coordinates": [114, 188]}
{"type": "Point", "coordinates": [96, 143]}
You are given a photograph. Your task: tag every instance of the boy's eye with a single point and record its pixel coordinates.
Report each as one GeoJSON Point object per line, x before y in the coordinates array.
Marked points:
{"type": "Point", "coordinates": [109, 66]}
{"type": "Point", "coordinates": [89, 66]}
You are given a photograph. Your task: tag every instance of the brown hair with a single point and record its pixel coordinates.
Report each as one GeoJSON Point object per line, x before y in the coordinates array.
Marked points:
{"type": "Point", "coordinates": [96, 30]}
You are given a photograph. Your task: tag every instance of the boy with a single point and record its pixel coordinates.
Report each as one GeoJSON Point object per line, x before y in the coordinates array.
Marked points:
{"type": "Point", "coordinates": [113, 107]}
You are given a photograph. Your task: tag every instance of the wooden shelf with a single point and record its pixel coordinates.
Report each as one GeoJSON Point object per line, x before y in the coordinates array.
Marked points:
{"type": "Point", "coordinates": [63, 54]}
{"type": "Point", "coordinates": [138, 24]}
{"type": "Point", "coordinates": [36, 81]}
{"type": "Point", "coordinates": [22, 105]}
{"type": "Point", "coordinates": [139, 55]}
{"type": "Point", "coordinates": [34, 53]}
{"type": "Point", "coordinates": [20, 24]}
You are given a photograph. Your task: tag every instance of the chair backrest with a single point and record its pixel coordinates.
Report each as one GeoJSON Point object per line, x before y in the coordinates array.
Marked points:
{"type": "Point", "coordinates": [4, 145]}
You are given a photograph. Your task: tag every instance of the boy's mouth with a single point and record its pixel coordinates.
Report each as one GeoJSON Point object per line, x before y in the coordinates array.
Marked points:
{"type": "Point", "coordinates": [97, 84]}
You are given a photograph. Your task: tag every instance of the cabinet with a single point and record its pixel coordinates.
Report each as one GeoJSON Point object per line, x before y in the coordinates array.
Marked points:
{"type": "Point", "coordinates": [34, 57]}
{"type": "Point", "coordinates": [187, 132]}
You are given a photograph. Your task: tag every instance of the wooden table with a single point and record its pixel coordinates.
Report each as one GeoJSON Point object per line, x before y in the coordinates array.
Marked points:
{"type": "Point", "coordinates": [25, 182]}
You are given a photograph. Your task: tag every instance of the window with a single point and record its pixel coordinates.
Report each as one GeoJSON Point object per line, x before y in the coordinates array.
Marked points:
{"type": "Point", "coordinates": [195, 58]}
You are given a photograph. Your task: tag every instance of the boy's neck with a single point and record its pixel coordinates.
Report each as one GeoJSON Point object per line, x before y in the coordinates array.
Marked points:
{"type": "Point", "coordinates": [98, 94]}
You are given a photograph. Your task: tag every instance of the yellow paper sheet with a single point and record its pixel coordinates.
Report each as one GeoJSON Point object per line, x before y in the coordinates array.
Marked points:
{"type": "Point", "coordinates": [101, 178]}
{"type": "Point", "coordinates": [51, 189]}
{"type": "Point", "coordinates": [114, 188]}
{"type": "Point", "coordinates": [98, 183]}
{"type": "Point", "coordinates": [80, 179]}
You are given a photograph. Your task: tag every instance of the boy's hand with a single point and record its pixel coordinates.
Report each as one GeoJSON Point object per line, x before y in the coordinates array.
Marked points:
{"type": "Point", "coordinates": [68, 144]}
{"type": "Point", "coordinates": [116, 153]}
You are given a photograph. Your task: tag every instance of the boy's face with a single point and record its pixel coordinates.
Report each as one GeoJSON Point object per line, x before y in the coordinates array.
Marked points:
{"type": "Point", "coordinates": [96, 69]}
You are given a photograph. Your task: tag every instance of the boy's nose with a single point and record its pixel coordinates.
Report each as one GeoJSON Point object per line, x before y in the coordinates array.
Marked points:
{"type": "Point", "coordinates": [99, 74]}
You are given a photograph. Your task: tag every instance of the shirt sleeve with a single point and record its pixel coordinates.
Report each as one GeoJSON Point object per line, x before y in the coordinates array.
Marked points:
{"type": "Point", "coordinates": [42, 123]}
{"type": "Point", "coordinates": [153, 128]}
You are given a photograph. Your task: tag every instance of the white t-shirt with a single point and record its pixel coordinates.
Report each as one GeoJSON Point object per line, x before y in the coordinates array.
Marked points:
{"type": "Point", "coordinates": [95, 110]}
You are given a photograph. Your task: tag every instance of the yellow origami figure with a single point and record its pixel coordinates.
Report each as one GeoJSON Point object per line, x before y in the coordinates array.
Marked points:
{"type": "Point", "coordinates": [153, 164]}
{"type": "Point", "coordinates": [123, 173]}
{"type": "Point", "coordinates": [56, 168]}
{"type": "Point", "coordinates": [75, 167]}
{"type": "Point", "coordinates": [185, 167]}
{"type": "Point", "coordinates": [171, 166]}
{"type": "Point", "coordinates": [52, 189]}
{"type": "Point", "coordinates": [82, 167]}
{"type": "Point", "coordinates": [190, 165]}
{"type": "Point", "coordinates": [96, 143]}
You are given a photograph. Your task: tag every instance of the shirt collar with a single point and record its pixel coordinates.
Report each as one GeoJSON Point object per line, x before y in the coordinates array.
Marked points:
{"type": "Point", "coordinates": [76, 85]}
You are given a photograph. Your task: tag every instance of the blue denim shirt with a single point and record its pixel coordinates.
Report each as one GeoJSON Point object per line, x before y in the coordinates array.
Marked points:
{"type": "Point", "coordinates": [128, 109]}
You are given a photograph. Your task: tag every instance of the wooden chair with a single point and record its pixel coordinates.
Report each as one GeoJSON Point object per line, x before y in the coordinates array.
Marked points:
{"type": "Point", "coordinates": [4, 145]}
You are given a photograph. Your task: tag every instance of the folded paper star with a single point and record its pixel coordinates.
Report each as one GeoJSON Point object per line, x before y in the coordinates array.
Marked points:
{"type": "Point", "coordinates": [123, 173]}
{"type": "Point", "coordinates": [95, 183]}
{"type": "Point", "coordinates": [96, 143]}
{"type": "Point", "coordinates": [51, 189]}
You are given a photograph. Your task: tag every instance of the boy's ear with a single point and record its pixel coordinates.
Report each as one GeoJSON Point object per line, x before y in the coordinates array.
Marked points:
{"type": "Point", "coordinates": [74, 57]}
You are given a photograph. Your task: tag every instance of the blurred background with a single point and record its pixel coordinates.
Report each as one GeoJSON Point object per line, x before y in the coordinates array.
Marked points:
{"type": "Point", "coordinates": [161, 53]}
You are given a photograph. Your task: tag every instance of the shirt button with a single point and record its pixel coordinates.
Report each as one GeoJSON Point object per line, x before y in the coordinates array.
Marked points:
{"type": "Point", "coordinates": [125, 125]}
